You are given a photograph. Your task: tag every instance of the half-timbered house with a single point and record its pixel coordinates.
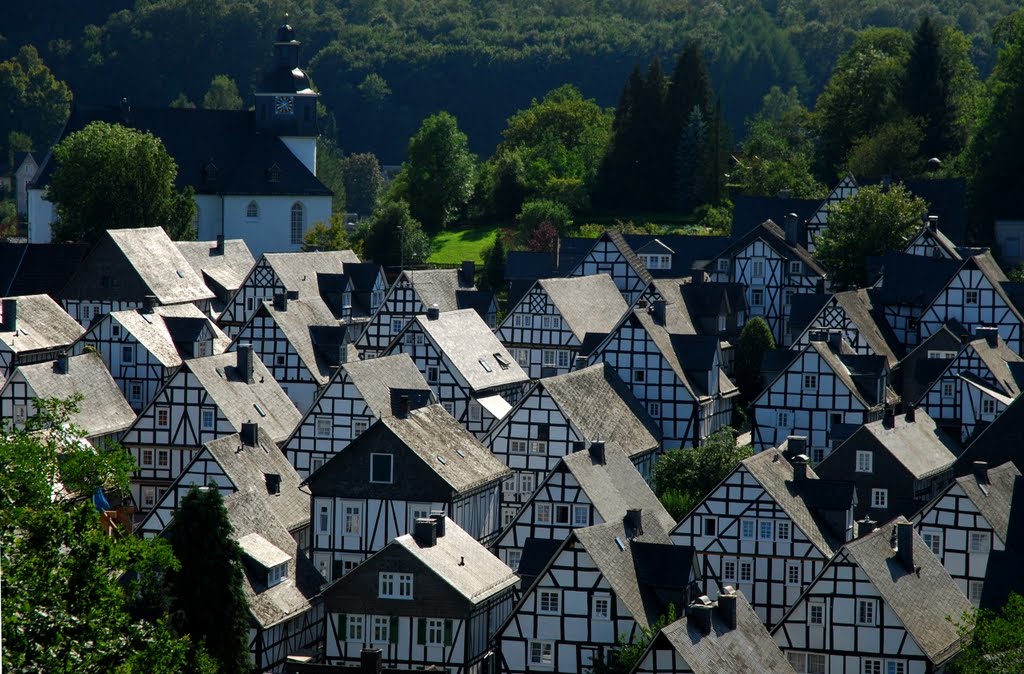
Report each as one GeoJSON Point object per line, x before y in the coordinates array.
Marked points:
{"type": "Point", "coordinates": [714, 308]}
{"type": "Point", "coordinates": [926, 362]}
{"type": "Point", "coordinates": [898, 463]}
{"type": "Point", "coordinates": [931, 242]}
{"type": "Point", "coordinates": [611, 255]}
{"type": "Point", "coordinates": [143, 348]}
{"type": "Point", "coordinates": [854, 314]}
{"type": "Point", "coordinates": [968, 522]}
{"type": "Point", "coordinates": [124, 268]}
{"type": "Point", "coordinates": [768, 528]}
{"type": "Point", "coordinates": [223, 264]}
{"type": "Point", "coordinates": [547, 329]}
{"type": "Point", "coordinates": [359, 393]}
{"type": "Point", "coordinates": [204, 400]}
{"type": "Point", "coordinates": [818, 222]}
{"type": "Point", "coordinates": [976, 386]}
{"type": "Point", "coordinates": [997, 442]}
{"type": "Point", "coordinates": [402, 468]}
{"type": "Point", "coordinates": [276, 273]}
{"type": "Point", "coordinates": [432, 598]}
{"type": "Point", "coordinates": [102, 412]}
{"type": "Point", "coordinates": [883, 603]}
{"type": "Point", "coordinates": [907, 286]}
{"type": "Point", "coordinates": [713, 637]}
{"type": "Point", "coordinates": [823, 387]}
{"type": "Point", "coordinates": [560, 415]}
{"type": "Point", "coordinates": [33, 329]}
{"type": "Point", "coordinates": [773, 268]}
{"type": "Point", "coordinates": [587, 487]}
{"type": "Point", "coordinates": [604, 584]}
{"type": "Point", "coordinates": [472, 374]}
{"type": "Point", "coordinates": [412, 293]}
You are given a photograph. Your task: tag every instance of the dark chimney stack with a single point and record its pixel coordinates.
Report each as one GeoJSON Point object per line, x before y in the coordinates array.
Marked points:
{"type": "Point", "coordinates": [280, 301]}
{"type": "Point", "coordinates": [792, 222]}
{"type": "Point", "coordinates": [246, 362]}
{"type": "Point", "coordinates": [796, 445]}
{"type": "Point", "coordinates": [425, 532]}
{"type": "Point", "coordinates": [911, 415]}
{"type": "Point", "coordinates": [467, 274]}
{"type": "Point", "coordinates": [700, 614]}
{"type": "Point", "coordinates": [658, 311]}
{"type": "Point", "coordinates": [799, 467]}
{"type": "Point", "coordinates": [933, 223]}
{"type": "Point", "coordinates": [218, 249]}
{"type": "Point", "coordinates": [250, 433]}
{"type": "Point", "coordinates": [439, 518]}
{"type": "Point", "coordinates": [580, 362]}
{"type": "Point", "coordinates": [597, 452]}
{"type": "Point", "coordinates": [10, 315]}
{"type": "Point", "coordinates": [727, 607]}
{"type": "Point", "coordinates": [905, 544]}
{"type": "Point", "coordinates": [149, 303]}
{"type": "Point", "coordinates": [371, 661]}
{"type": "Point", "coordinates": [835, 340]}
{"type": "Point", "coordinates": [273, 481]}
{"type": "Point", "coordinates": [989, 333]}
{"type": "Point", "coordinates": [980, 470]}
{"type": "Point", "coordinates": [633, 522]}
{"type": "Point", "coordinates": [888, 417]}
{"type": "Point", "coordinates": [641, 303]}
{"type": "Point", "coordinates": [865, 526]}
{"type": "Point", "coordinates": [697, 276]}
{"type": "Point", "coordinates": [433, 313]}
{"type": "Point", "coordinates": [63, 364]}
{"type": "Point", "coordinates": [292, 294]}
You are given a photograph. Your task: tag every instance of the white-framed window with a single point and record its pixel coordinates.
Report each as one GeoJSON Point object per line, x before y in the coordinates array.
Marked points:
{"type": "Point", "coordinates": [354, 628]}
{"type": "Point", "coordinates": [796, 267]}
{"type": "Point", "coordinates": [782, 419]}
{"type": "Point", "coordinates": [757, 268]}
{"type": "Point", "coordinates": [359, 427]}
{"type": "Point", "coordinates": [654, 409]}
{"type": "Point", "coordinates": [146, 458]}
{"type": "Point", "coordinates": [782, 531]}
{"type": "Point", "coordinates": [432, 374]}
{"type": "Point", "coordinates": [517, 446]}
{"type": "Point", "coordinates": [549, 357]}
{"type": "Point", "coordinates": [324, 519]}
{"type": "Point", "coordinates": [756, 297]}
{"type": "Point", "coordinates": [381, 629]}
{"type": "Point", "coordinates": [163, 416]}
{"type": "Point", "coordinates": [353, 514]}
{"type": "Point", "coordinates": [810, 382]}
{"type": "Point", "coordinates": [520, 320]}
{"type": "Point", "coordinates": [601, 607]}
{"type": "Point", "coordinates": [879, 498]}
{"type": "Point", "coordinates": [970, 296]}
{"type": "Point", "coordinates": [948, 391]}
{"type": "Point", "coordinates": [323, 426]}
{"type": "Point", "coordinates": [549, 602]}
{"type": "Point", "coordinates": [542, 653]}
{"type": "Point", "coordinates": [163, 458]}
{"type": "Point", "coordinates": [895, 667]}
{"type": "Point", "coordinates": [581, 515]}
{"type": "Point", "coordinates": [871, 666]}
{"type": "Point", "coordinates": [748, 529]}
{"type": "Point", "coordinates": [434, 632]}
{"type": "Point", "coordinates": [298, 222]}
{"type": "Point", "coordinates": [980, 541]}
{"type": "Point", "coordinates": [722, 264]}
{"type": "Point", "coordinates": [522, 356]}
{"type": "Point", "coordinates": [148, 497]}
{"type": "Point", "coordinates": [866, 611]}
{"type": "Point", "coordinates": [449, 407]}
{"type": "Point", "coordinates": [208, 418]}
{"type": "Point", "coordinates": [974, 588]}
{"type": "Point", "coordinates": [710, 525]}
{"type": "Point", "coordinates": [476, 412]}
{"type": "Point", "coordinates": [382, 468]}
{"type": "Point", "coordinates": [806, 663]}
{"type": "Point", "coordinates": [250, 303]}
{"type": "Point", "coordinates": [933, 539]}
{"type": "Point", "coordinates": [728, 570]}
{"type": "Point", "coordinates": [128, 354]}
{"type": "Point", "coordinates": [543, 513]}
{"type": "Point", "coordinates": [988, 406]}
{"type": "Point", "coordinates": [746, 572]}
{"type": "Point", "coordinates": [526, 482]}
{"type": "Point", "coordinates": [276, 574]}
{"type": "Point", "coordinates": [394, 585]}
{"type": "Point", "coordinates": [20, 414]}
{"type": "Point", "coordinates": [135, 393]}
{"type": "Point", "coordinates": [865, 461]}
{"type": "Point", "coordinates": [563, 358]}
{"type": "Point", "coordinates": [539, 446]}
{"type": "Point", "coordinates": [793, 573]}
{"type": "Point", "coordinates": [765, 530]}
{"type": "Point", "coordinates": [512, 558]}
{"type": "Point", "coordinates": [396, 325]}
{"type": "Point", "coordinates": [252, 210]}
{"type": "Point", "coordinates": [944, 355]}
{"type": "Point", "coordinates": [816, 612]}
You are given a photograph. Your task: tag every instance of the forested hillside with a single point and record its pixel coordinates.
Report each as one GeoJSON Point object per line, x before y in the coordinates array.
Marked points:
{"type": "Point", "coordinates": [384, 65]}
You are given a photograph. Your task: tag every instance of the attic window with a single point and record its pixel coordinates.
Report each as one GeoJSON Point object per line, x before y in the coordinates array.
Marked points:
{"type": "Point", "coordinates": [460, 453]}
{"type": "Point", "coordinates": [484, 365]}
{"type": "Point", "coordinates": [181, 274]}
{"type": "Point", "coordinates": [277, 574]}
{"type": "Point", "coordinates": [259, 410]}
{"type": "Point", "coordinates": [274, 173]}
{"type": "Point", "coordinates": [618, 542]}
{"type": "Point", "coordinates": [504, 364]}
{"type": "Point", "coordinates": [441, 460]}
{"type": "Point", "coordinates": [210, 172]}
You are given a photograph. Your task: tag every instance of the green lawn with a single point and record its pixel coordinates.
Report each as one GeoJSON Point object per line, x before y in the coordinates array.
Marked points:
{"type": "Point", "coordinates": [454, 246]}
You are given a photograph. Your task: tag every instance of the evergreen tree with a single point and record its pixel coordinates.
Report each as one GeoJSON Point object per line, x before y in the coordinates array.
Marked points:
{"type": "Point", "coordinates": [755, 339]}
{"type": "Point", "coordinates": [928, 92]}
{"type": "Point", "coordinates": [688, 158]}
{"type": "Point", "coordinates": [656, 144]}
{"type": "Point", "coordinates": [208, 591]}
{"type": "Point", "coordinates": [619, 176]}
{"type": "Point", "coordinates": [689, 87]}
{"type": "Point", "coordinates": [714, 158]}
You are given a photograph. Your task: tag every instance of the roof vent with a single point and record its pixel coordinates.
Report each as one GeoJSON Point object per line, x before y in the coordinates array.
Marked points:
{"type": "Point", "coordinates": [598, 454]}
{"type": "Point", "coordinates": [433, 313]}
{"type": "Point", "coordinates": [273, 481]}
{"type": "Point", "coordinates": [292, 294]}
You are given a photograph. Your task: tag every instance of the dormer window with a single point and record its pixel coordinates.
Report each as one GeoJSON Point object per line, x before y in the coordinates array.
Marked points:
{"type": "Point", "coordinates": [277, 574]}
{"type": "Point", "coordinates": [271, 558]}
{"type": "Point", "coordinates": [274, 173]}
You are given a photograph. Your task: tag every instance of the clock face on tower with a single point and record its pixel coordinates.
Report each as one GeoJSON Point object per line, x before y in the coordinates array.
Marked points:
{"type": "Point", "coordinates": [284, 105]}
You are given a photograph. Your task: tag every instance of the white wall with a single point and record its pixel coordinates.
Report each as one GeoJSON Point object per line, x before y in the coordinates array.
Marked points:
{"type": "Point", "coordinates": [271, 231]}
{"type": "Point", "coordinates": [40, 216]}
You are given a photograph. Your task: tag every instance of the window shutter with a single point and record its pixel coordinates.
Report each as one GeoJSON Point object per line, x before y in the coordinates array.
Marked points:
{"type": "Point", "coordinates": [393, 630]}
{"type": "Point", "coordinates": [342, 626]}
{"type": "Point", "coordinates": [421, 631]}
{"type": "Point", "coordinates": [447, 632]}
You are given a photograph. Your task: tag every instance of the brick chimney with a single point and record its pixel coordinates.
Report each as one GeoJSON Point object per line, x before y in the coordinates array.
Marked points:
{"type": "Point", "coordinates": [598, 453]}
{"type": "Point", "coordinates": [699, 614]}
{"type": "Point", "coordinates": [425, 532]}
{"type": "Point", "coordinates": [727, 607]}
{"type": "Point", "coordinates": [245, 362]}
{"type": "Point", "coordinates": [10, 315]}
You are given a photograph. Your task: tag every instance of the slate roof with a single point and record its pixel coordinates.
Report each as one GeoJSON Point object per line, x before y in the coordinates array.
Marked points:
{"type": "Point", "coordinates": [38, 268]}
{"type": "Point", "coordinates": [936, 237]}
{"type": "Point", "coordinates": [238, 400]}
{"type": "Point", "coordinates": [298, 271]}
{"type": "Point", "coordinates": [804, 308]}
{"type": "Point", "coordinates": [447, 448]}
{"type": "Point", "coordinates": [459, 560]}
{"type": "Point", "coordinates": [860, 307]}
{"type": "Point", "coordinates": [850, 369]}
{"type": "Point", "coordinates": [587, 304]}
{"type": "Point", "coordinates": [748, 212]}
{"type": "Point", "coordinates": [601, 406]}
{"type": "Point", "coordinates": [919, 377]}
{"type": "Point", "coordinates": [987, 265]}
{"type": "Point", "coordinates": [920, 446]}
{"type": "Point", "coordinates": [747, 648]}
{"type": "Point", "coordinates": [775, 237]}
{"type": "Point", "coordinates": [998, 443]}
{"type": "Point", "coordinates": [704, 299]}
{"type": "Point", "coordinates": [195, 138]}
{"type": "Point", "coordinates": [528, 265]}
{"type": "Point", "coordinates": [913, 280]}
{"type": "Point", "coordinates": [377, 377]}
{"type": "Point", "coordinates": [1003, 362]}
{"type": "Point", "coordinates": [223, 273]}
{"type": "Point", "coordinates": [154, 330]}
{"type": "Point", "coordinates": [299, 322]}
{"type": "Point", "coordinates": [42, 325]}
{"type": "Point", "coordinates": [921, 599]}
{"type": "Point", "coordinates": [679, 307]}
{"type": "Point", "coordinates": [471, 347]}
{"type": "Point", "coordinates": [102, 410]}
{"type": "Point", "coordinates": [615, 486]}
{"type": "Point", "coordinates": [1002, 576]}
{"type": "Point", "coordinates": [995, 498]}
{"type": "Point", "coordinates": [438, 287]}
{"type": "Point", "coordinates": [690, 250]}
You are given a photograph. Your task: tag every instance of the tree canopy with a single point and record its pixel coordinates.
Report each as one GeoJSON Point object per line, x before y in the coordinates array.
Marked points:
{"type": "Point", "coordinates": [33, 102]}
{"type": "Point", "coordinates": [682, 477]}
{"type": "Point", "coordinates": [222, 94]}
{"type": "Point", "coordinates": [755, 339]}
{"type": "Point", "coordinates": [112, 177]}
{"type": "Point", "coordinates": [393, 238]}
{"type": "Point", "coordinates": [363, 182]}
{"type": "Point", "coordinates": [995, 640]}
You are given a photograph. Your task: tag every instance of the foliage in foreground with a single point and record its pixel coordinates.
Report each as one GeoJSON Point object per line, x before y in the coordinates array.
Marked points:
{"type": "Point", "coordinates": [624, 658]}
{"type": "Point", "coordinates": [995, 641]}
{"type": "Point", "coordinates": [682, 477]}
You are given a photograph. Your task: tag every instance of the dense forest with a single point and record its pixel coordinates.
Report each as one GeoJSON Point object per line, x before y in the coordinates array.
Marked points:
{"type": "Point", "coordinates": [383, 66]}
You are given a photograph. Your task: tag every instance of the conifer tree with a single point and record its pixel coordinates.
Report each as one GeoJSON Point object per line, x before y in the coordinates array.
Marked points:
{"type": "Point", "coordinates": [688, 157]}
{"type": "Point", "coordinates": [929, 93]}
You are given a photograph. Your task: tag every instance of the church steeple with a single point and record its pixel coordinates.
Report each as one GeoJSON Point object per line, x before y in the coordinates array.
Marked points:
{"type": "Point", "coordinates": [285, 102]}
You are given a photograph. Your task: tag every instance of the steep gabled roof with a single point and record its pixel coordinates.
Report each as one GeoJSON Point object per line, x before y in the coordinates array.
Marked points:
{"type": "Point", "coordinates": [860, 306]}
{"type": "Point", "coordinates": [680, 295]}
{"type": "Point", "coordinates": [913, 280]}
{"type": "Point", "coordinates": [42, 325]}
{"type": "Point", "coordinates": [471, 347]}
{"type": "Point", "coordinates": [587, 304]}
{"type": "Point", "coordinates": [998, 443]}
{"type": "Point", "coordinates": [775, 237]}
{"type": "Point", "coordinates": [848, 368]}
{"type": "Point", "coordinates": [377, 377]}
{"type": "Point", "coordinates": [920, 446]}
{"type": "Point", "coordinates": [225, 271]}
{"type": "Point", "coordinates": [300, 322]}
{"type": "Point", "coordinates": [438, 287]}
{"type": "Point", "coordinates": [154, 330]}
{"type": "Point", "coordinates": [935, 237]}
{"type": "Point", "coordinates": [748, 212]}
{"type": "Point", "coordinates": [993, 498]}
{"type": "Point", "coordinates": [298, 271]}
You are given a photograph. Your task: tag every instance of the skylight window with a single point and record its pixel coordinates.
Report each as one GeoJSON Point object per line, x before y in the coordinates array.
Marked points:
{"type": "Point", "coordinates": [618, 542]}
{"type": "Point", "coordinates": [181, 274]}
{"type": "Point", "coordinates": [502, 362]}
{"type": "Point", "coordinates": [441, 460]}
{"type": "Point", "coordinates": [259, 410]}
{"type": "Point", "coordinates": [484, 365]}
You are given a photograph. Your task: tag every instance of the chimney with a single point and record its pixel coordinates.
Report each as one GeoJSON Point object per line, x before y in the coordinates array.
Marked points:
{"type": "Point", "coordinates": [438, 517]}
{"type": "Point", "coordinates": [835, 340]}
{"type": "Point", "coordinates": [467, 274]}
{"type": "Point", "coordinates": [658, 311]}
{"type": "Point", "coordinates": [888, 417]}
{"type": "Point", "coordinates": [433, 313]}
{"type": "Point", "coordinates": [425, 532]}
{"type": "Point", "coordinates": [700, 615]}
{"type": "Point", "coordinates": [250, 433]}
{"type": "Point", "coordinates": [218, 249]}
{"type": "Point", "coordinates": [727, 607]}
{"type": "Point", "coordinates": [580, 362]}
{"type": "Point", "coordinates": [799, 468]}
{"type": "Point", "coordinates": [280, 302]}
{"type": "Point", "coordinates": [641, 303]}
{"type": "Point", "coordinates": [796, 445]}
{"type": "Point", "coordinates": [597, 452]}
{"type": "Point", "coordinates": [633, 522]}
{"type": "Point", "coordinates": [905, 544]}
{"type": "Point", "coordinates": [697, 277]}
{"type": "Point", "coordinates": [149, 303]}
{"type": "Point", "coordinates": [792, 223]}
{"type": "Point", "coordinates": [911, 415]}
{"type": "Point", "coordinates": [980, 471]}
{"type": "Point", "coordinates": [989, 333]}
{"type": "Point", "coordinates": [10, 315]}
{"type": "Point", "coordinates": [63, 364]}
{"type": "Point", "coordinates": [273, 481]}
{"type": "Point", "coordinates": [371, 661]}
{"type": "Point", "coordinates": [292, 294]}
{"type": "Point", "coordinates": [865, 526]}
{"type": "Point", "coordinates": [933, 223]}
{"type": "Point", "coordinates": [245, 362]}
{"type": "Point", "coordinates": [817, 335]}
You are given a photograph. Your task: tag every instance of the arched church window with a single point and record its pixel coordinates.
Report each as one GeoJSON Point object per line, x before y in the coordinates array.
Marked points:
{"type": "Point", "coordinates": [252, 210]}
{"type": "Point", "coordinates": [298, 222]}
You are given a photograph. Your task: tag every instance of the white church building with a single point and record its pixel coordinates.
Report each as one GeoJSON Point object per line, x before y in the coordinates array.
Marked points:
{"type": "Point", "coordinates": [253, 171]}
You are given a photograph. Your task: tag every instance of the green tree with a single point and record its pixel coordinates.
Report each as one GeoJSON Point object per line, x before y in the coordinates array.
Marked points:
{"type": "Point", "coordinates": [873, 222]}
{"type": "Point", "coordinates": [539, 211]}
{"type": "Point", "coordinates": [682, 477]}
{"type": "Point", "coordinates": [32, 100]}
{"type": "Point", "coordinates": [995, 640]}
{"type": "Point", "coordinates": [209, 599]}
{"type": "Point", "coordinates": [182, 102]}
{"type": "Point", "coordinates": [332, 235]}
{"type": "Point", "coordinates": [391, 224]}
{"type": "Point", "coordinates": [222, 94]}
{"type": "Point", "coordinates": [688, 161]}
{"type": "Point", "coordinates": [894, 148]}
{"type": "Point", "coordinates": [494, 265]}
{"type": "Point", "coordinates": [72, 595]}
{"type": "Point", "coordinates": [330, 171]}
{"type": "Point", "coordinates": [363, 181]}
{"type": "Point", "coordinates": [625, 657]}
{"type": "Point", "coordinates": [112, 177]}
{"type": "Point", "coordinates": [755, 339]}
{"type": "Point", "coordinates": [437, 179]}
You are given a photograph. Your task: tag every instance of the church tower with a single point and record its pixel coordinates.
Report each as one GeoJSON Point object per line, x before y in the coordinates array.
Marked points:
{"type": "Point", "coordinates": [285, 103]}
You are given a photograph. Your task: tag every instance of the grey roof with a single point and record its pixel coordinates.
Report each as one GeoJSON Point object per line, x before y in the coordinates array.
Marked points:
{"type": "Point", "coordinates": [298, 321]}
{"type": "Point", "coordinates": [437, 287]}
{"type": "Point", "coordinates": [848, 368]}
{"type": "Point", "coordinates": [804, 308]}
{"type": "Point", "coordinates": [297, 271]}
{"type": "Point", "coordinates": [226, 270]}
{"type": "Point", "coordinates": [747, 648]}
{"type": "Point", "coordinates": [913, 280]}
{"type": "Point", "coordinates": [375, 378]}
{"type": "Point", "coordinates": [775, 237]}
{"type": "Point", "coordinates": [42, 325]}
{"type": "Point", "coordinates": [920, 446]}
{"type": "Point", "coordinates": [1003, 362]}
{"type": "Point", "coordinates": [586, 303]}
{"type": "Point", "coordinates": [615, 486]}
{"type": "Point", "coordinates": [601, 406]}
{"type": "Point", "coordinates": [447, 448]}
{"type": "Point", "coordinates": [238, 400]}
{"type": "Point", "coordinates": [155, 334]}
{"type": "Point", "coordinates": [998, 443]}
{"type": "Point", "coordinates": [677, 307]}
{"type": "Point", "coordinates": [922, 600]}
{"type": "Point", "coordinates": [160, 264]}
{"type": "Point", "coordinates": [250, 512]}
{"type": "Point", "coordinates": [461, 561]}
{"type": "Point", "coordinates": [473, 350]}
{"type": "Point", "coordinates": [654, 247]}
{"type": "Point", "coordinates": [102, 410]}
{"type": "Point", "coordinates": [859, 305]}
{"type": "Point", "coordinates": [629, 253]}
{"type": "Point", "coordinates": [994, 499]}
{"type": "Point", "coordinates": [939, 239]}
